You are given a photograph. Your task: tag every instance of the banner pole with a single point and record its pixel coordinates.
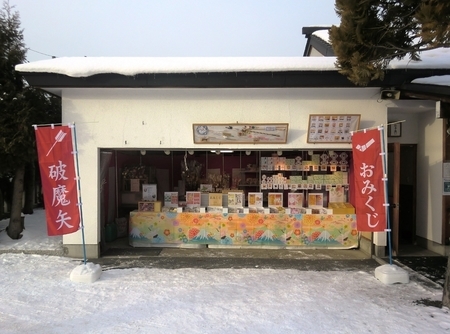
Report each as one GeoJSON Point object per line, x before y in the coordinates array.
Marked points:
{"type": "Point", "coordinates": [388, 229]}
{"type": "Point", "coordinates": [80, 204]}
{"type": "Point", "coordinates": [53, 124]}
{"type": "Point", "coordinates": [378, 126]}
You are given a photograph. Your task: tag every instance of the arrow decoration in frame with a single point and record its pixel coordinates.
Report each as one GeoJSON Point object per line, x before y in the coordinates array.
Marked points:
{"type": "Point", "coordinates": [240, 133]}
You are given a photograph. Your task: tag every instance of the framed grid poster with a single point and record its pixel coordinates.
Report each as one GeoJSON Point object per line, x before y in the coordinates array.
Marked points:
{"type": "Point", "coordinates": [332, 128]}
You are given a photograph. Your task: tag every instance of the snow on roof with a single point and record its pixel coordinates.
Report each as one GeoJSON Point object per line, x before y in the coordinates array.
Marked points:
{"type": "Point", "coordinates": [323, 34]}
{"type": "Point", "coordinates": [85, 66]}
{"type": "Point", "coordinates": [440, 80]}
{"type": "Point", "coordinates": [129, 66]}
{"type": "Point", "coordinates": [437, 58]}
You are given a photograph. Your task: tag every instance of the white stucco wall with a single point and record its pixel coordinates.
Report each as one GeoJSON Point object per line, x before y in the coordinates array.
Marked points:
{"type": "Point", "coordinates": [429, 177]}
{"type": "Point", "coordinates": [410, 127]}
{"type": "Point", "coordinates": [163, 118]}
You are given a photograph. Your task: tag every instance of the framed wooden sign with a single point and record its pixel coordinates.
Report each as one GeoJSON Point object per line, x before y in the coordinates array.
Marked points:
{"type": "Point", "coordinates": [240, 133]}
{"type": "Point", "coordinates": [332, 128]}
{"type": "Point", "coordinates": [395, 130]}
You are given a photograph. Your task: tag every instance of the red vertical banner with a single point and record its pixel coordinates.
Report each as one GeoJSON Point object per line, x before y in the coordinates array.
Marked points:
{"type": "Point", "coordinates": [58, 176]}
{"type": "Point", "coordinates": [369, 182]}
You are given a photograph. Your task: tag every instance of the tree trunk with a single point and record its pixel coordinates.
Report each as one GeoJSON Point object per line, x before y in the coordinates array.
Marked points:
{"type": "Point", "coordinates": [2, 205]}
{"type": "Point", "coordinates": [15, 227]}
{"type": "Point", "coordinates": [446, 294]}
{"type": "Point", "coordinates": [6, 186]}
{"type": "Point", "coordinates": [29, 188]}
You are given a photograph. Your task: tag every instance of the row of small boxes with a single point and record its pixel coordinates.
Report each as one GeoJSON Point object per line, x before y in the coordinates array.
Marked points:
{"type": "Point", "coordinates": [335, 178]}
{"type": "Point", "coordinates": [275, 179]}
{"type": "Point", "coordinates": [305, 166]}
{"type": "Point", "coordinates": [336, 207]}
{"type": "Point", "coordinates": [274, 160]}
{"type": "Point", "coordinates": [314, 161]}
{"type": "Point", "coordinates": [340, 177]}
{"type": "Point", "coordinates": [280, 163]}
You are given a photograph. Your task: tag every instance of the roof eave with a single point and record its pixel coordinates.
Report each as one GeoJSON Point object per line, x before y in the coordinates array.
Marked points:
{"type": "Point", "coordinates": [424, 91]}
{"type": "Point", "coordinates": [394, 78]}
{"type": "Point", "coordinates": [193, 80]}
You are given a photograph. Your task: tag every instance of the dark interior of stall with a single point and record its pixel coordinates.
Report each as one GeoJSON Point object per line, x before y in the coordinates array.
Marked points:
{"type": "Point", "coordinates": [181, 171]}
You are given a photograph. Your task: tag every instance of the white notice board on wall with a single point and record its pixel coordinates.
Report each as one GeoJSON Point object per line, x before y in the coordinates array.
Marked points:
{"type": "Point", "coordinates": [446, 170]}
{"type": "Point", "coordinates": [446, 178]}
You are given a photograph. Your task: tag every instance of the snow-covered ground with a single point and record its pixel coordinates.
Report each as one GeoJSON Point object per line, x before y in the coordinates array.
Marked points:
{"type": "Point", "coordinates": [34, 236]}
{"type": "Point", "coordinates": [37, 296]}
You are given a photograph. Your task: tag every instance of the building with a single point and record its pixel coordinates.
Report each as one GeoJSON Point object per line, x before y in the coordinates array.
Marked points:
{"type": "Point", "coordinates": [419, 221]}
{"type": "Point", "coordinates": [148, 106]}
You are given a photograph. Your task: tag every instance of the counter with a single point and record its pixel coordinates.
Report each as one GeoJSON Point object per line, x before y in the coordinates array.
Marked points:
{"type": "Point", "coordinates": [169, 229]}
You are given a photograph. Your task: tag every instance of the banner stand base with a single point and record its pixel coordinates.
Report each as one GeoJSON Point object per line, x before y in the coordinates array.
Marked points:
{"type": "Point", "coordinates": [86, 273]}
{"type": "Point", "coordinates": [390, 274]}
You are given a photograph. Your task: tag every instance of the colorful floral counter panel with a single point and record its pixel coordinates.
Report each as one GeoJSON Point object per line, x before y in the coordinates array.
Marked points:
{"type": "Point", "coordinates": [163, 229]}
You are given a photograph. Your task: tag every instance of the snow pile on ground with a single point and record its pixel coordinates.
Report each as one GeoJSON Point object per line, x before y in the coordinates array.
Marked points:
{"type": "Point", "coordinates": [34, 236]}
{"type": "Point", "coordinates": [39, 297]}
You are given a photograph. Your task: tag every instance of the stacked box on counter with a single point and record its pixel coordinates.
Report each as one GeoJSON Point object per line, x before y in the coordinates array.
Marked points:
{"type": "Point", "coordinates": [171, 199]}
{"type": "Point", "coordinates": [215, 199]}
{"type": "Point", "coordinates": [235, 199]}
{"type": "Point", "coordinates": [341, 208]}
{"type": "Point", "coordinates": [295, 202]}
{"type": "Point", "coordinates": [236, 202]}
{"type": "Point", "coordinates": [255, 200]}
{"type": "Point", "coordinates": [150, 206]}
{"type": "Point", "coordinates": [193, 201]}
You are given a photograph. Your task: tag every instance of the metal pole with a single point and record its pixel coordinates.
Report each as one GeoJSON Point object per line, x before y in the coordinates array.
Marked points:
{"type": "Point", "coordinates": [388, 229]}
{"type": "Point", "coordinates": [80, 204]}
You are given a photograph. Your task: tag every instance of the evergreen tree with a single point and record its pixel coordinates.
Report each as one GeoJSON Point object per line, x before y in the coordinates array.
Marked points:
{"type": "Point", "coordinates": [12, 52]}
{"type": "Point", "coordinates": [374, 32]}
{"type": "Point", "coordinates": [20, 107]}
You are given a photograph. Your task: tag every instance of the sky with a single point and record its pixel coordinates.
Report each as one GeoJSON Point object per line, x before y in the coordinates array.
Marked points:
{"type": "Point", "coordinates": [169, 28]}
{"type": "Point", "coordinates": [38, 296]}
